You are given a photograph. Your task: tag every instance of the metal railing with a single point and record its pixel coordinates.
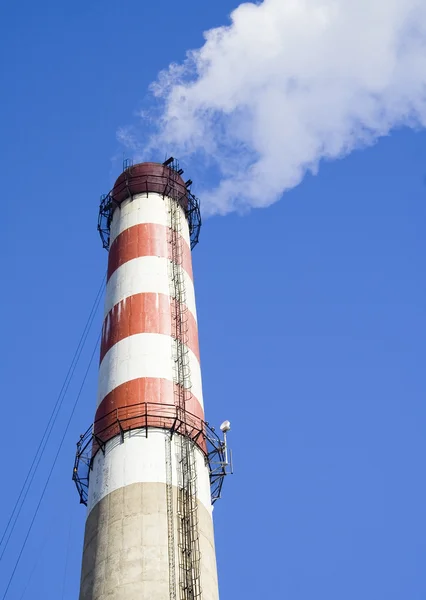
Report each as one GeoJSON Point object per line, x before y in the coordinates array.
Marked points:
{"type": "Point", "coordinates": [143, 416]}
{"type": "Point", "coordinates": [187, 200]}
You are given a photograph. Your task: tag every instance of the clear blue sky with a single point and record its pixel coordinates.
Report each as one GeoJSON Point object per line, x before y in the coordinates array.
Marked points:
{"type": "Point", "coordinates": [312, 321]}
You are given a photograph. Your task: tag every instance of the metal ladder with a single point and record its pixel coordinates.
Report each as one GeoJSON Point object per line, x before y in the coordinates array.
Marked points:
{"type": "Point", "coordinates": [170, 518]}
{"type": "Point", "coordinates": [187, 509]}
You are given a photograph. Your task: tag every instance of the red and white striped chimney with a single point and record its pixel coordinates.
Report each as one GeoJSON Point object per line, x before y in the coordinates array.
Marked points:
{"type": "Point", "coordinates": [149, 530]}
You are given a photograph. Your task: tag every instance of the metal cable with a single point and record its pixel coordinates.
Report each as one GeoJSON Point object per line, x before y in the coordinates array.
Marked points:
{"type": "Point", "coordinates": [36, 563]}
{"type": "Point", "coordinates": [51, 471]}
{"type": "Point", "coordinates": [51, 423]}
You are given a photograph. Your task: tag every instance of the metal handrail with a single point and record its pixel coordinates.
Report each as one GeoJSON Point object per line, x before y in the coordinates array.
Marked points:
{"type": "Point", "coordinates": [189, 203]}
{"type": "Point", "coordinates": [175, 420]}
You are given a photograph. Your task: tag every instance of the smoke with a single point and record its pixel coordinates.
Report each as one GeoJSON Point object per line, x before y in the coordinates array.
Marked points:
{"type": "Point", "coordinates": [290, 83]}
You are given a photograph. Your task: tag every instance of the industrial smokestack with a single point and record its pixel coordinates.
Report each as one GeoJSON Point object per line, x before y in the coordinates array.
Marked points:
{"type": "Point", "coordinates": [150, 467]}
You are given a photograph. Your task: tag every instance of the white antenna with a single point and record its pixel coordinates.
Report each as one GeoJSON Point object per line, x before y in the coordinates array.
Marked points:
{"type": "Point", "coordinates": [225, 427]}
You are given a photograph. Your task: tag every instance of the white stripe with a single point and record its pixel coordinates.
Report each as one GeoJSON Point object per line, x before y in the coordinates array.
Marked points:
{"type": "Point", "coordinates": [143, 209]}
{"type": "Point", "coordinates": [141, 459]}
{"type": "Point", "coordinates": [141, 275]}
{"type": "Point", "coordinates": [144, 355]}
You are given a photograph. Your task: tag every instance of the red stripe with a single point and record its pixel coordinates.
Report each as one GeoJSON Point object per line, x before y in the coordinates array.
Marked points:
{"type": "Point", "coordinates": [147, 313]}
{"type": "Point", "coordinates": [144, 402]}
{"type": "Point", "coordinates": [150, 177]}
{"type": "Point", "coordinates": [145, 239]}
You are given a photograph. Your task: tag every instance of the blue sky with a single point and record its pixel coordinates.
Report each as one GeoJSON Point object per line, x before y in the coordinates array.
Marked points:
{"type": "Point", "coordinates": [312, 321]}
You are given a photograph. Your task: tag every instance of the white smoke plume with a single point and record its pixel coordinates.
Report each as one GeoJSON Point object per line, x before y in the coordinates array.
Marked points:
{"type": "Point", "coordinates": [291, 82]}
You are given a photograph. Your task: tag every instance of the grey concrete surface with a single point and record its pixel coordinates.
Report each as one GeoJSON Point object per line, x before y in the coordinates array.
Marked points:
{"type": "Point", "coordinates": [125, 554]}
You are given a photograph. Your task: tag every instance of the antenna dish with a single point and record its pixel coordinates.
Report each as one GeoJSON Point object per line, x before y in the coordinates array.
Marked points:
{"type": "Point", "coordinates": [226, 426]}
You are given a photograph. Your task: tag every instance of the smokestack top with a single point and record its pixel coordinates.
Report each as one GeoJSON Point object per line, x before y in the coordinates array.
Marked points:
{"type": "Point", "coordinates": [150, 177]}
